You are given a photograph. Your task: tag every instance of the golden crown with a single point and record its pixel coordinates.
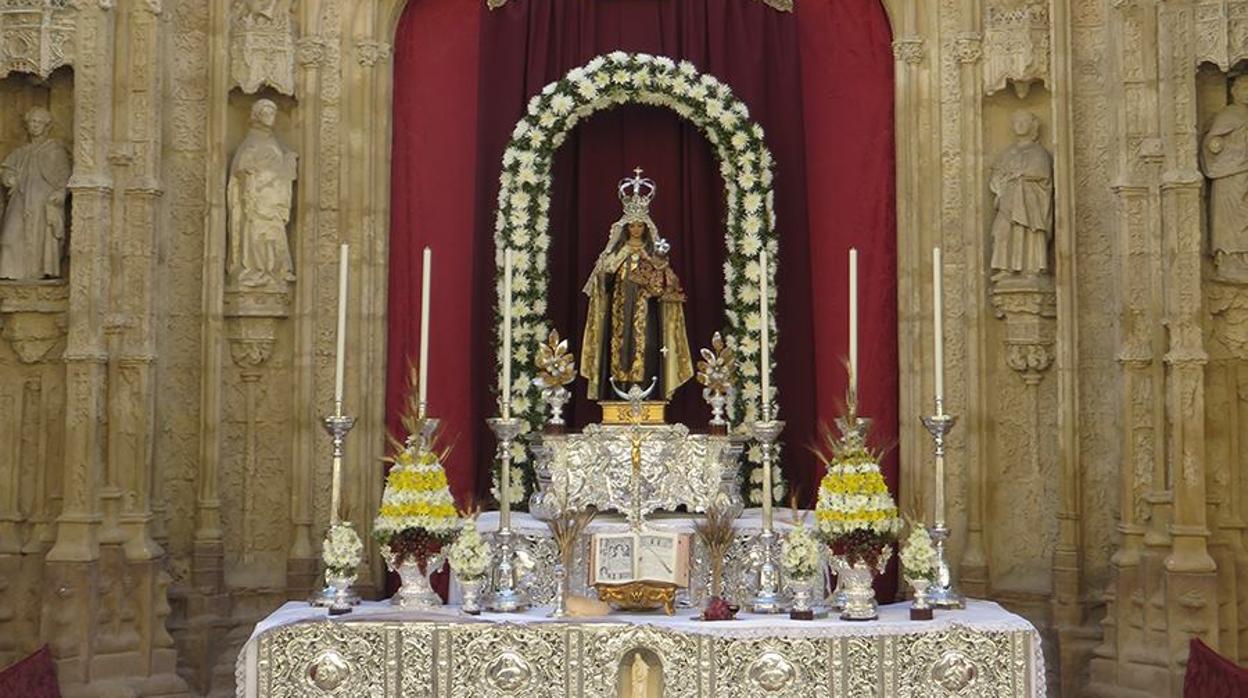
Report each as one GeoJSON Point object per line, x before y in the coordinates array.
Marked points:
{"type": "Point", "coordinates": [636, 193]}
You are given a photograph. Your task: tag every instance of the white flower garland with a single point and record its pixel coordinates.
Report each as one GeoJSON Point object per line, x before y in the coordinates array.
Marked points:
{"type": "Point", "coordinates": [523, 222]}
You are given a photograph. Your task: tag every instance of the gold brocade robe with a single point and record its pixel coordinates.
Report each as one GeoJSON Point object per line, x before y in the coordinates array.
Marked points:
{"type": "Point", "coordinates": [635, 313]}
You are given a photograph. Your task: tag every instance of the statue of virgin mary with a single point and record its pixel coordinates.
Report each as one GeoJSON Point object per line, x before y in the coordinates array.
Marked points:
{"type": "Point", "coordinates": [635, 329]}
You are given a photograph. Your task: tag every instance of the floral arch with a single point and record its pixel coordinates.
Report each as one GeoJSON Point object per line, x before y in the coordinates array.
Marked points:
{"type": "Point", "coordinates": [522, 222]}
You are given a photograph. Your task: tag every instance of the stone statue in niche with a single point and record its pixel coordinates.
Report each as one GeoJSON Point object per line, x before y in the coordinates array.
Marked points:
{"type": "Point", "coordinates": [32, 229]}
{"type": "Point", "coordinates": [1224, 158]}
{"type": "Point", "coordinates": [260, 194]}
{"type": "Point", "coordinates": [1022, 184]}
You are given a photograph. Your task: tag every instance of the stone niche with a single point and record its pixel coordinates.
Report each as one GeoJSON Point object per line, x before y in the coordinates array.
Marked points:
{"type": "Point", "coordinates": [1226, 373]}
{"type": "Point", "coordinates": [1022, 474]}
{"type": "Point", "coordinates": [256, 466]}
{"type": "Point", "coordinates": [19, 92]}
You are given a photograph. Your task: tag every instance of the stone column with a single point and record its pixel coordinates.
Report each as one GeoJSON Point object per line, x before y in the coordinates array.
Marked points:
{"type": "Point", "coordinates": [1191, 585]}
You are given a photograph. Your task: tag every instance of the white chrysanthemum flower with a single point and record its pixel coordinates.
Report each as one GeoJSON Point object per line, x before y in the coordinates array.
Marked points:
{"type": "Point", "coordinates": [698, 92]}
{"type": "Point", "coordinates": [587, 89]}
{"type": "Point", "coordinates": [752, 225]}
{"type": "Point", "coordinates": [751, 270]}
{"type": "Point", "coordinates": [618, 57]}
{"type": "Point", "coordinates": [665, 63]}
{"type": "Point", "coordinates": [547, 119]}
{"type": "Point", "coordinates": [728, 120]}
{"type": "Point", "coordinates": [746, 179]}
{"type": "Point", "coordinates": [594, 63]}
{"type": "Point", "coordinates": [749, 294]}
{"type": "Point", "coordinates": [752, 243]}
{"type": "Point", "coordinates": [522, 127]}
{"type": "Point", "coordinates": [714, 108]}
{"type": "Point", "coordinates": [561, 104]}
{"type": "Point", "coordinates": [740, 140]}
{"type": "Point", "coordinates": [752, 201]}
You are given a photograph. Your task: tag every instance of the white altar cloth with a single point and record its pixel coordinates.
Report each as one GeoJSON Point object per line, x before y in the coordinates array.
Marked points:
{"type": "Point", "coordinates": [949, 643]}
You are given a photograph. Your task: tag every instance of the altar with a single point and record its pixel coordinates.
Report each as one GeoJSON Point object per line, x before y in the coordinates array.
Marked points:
{"type": "Point", "coordinates": [983, 650]}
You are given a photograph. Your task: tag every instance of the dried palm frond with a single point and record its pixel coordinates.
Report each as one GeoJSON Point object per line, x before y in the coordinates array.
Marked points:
{"type": "Point", "coordinates": [413, 421]}
{"type": "Point", "coordinates": [715, 529]}
{"type": "Point", "coordinates": [567, 527]}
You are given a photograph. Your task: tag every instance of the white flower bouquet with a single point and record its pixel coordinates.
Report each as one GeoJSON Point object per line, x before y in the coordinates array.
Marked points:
{"type": "Point", "coordinates": [342, 550]}
{"type": "Point", "coordinates": [470, 554]}
{"type": "Point", "coordinates": [799, 554]}
{"type": "Point", "coordinates": [918, 556]}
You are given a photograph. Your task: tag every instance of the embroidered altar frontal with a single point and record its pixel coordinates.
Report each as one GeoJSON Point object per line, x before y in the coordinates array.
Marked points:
{"type": "Point", "coordinates": [982, 651]}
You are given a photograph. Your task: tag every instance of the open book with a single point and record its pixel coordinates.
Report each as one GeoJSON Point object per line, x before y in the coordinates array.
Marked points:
{"type": "Point", "coordinates": [650, 556]}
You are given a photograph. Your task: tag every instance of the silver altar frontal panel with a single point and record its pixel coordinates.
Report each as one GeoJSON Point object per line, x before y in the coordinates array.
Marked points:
{"type": "Point", "coordinates": [377, 651]}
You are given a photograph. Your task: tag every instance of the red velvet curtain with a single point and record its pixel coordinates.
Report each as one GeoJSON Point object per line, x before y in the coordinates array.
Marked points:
{"type": "Point", "coordinates": [818, 80]}
{"type": "Point", "coordinates": [748, 46]}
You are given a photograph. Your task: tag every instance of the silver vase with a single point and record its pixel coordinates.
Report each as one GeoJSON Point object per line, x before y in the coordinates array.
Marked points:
{"type": "Point", "coordinates": [561, 592]}
{"type": "Point", "coordinates": [859, 593]}
{"type": "Point", "coordinates": [416, 591]}
{"type": "Point", "coordinates": [340, 583]}
{"type": "Point", "coordinates": [921, 603]}
{"type": "Point", "coordinates": [836, 601]}
{"type": "Point", "coordinates": [800, 589]}
{"type": "Point", "coordinates": [471, 589]}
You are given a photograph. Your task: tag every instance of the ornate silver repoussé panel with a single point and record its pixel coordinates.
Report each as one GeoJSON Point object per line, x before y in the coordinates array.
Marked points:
{"type": "Point", "coordinates": [594, 468]}
{"type": "Point", "coordinates": [382, 659]}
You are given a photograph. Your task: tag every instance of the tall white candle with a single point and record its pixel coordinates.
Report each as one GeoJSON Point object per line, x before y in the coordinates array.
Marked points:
{"type": "Point", "coordinates": [938, 334]}
{"type": "Point", "coordinates": [426, 273]}
{"type": "Point", "coordinates": [853, 321]}
{"type": "Point", "coordinates": [764, 318]}
{"type": "Point", "coordinates": [506, 406]}
{"type": "Point", "coordinates": [340, 352]}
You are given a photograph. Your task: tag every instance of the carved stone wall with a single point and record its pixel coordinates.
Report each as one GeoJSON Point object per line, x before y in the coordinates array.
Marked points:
{"type": "Point", "coordinates": [164, 478]}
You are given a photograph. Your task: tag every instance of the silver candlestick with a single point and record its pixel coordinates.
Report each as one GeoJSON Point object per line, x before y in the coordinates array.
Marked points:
{"type": "Point", "coordinates": [768, 598]}
{"type": "Point", "coordinates": [337, 425]}
{"type": "Point", "coordinates": [505, 597]}
{"type": "Point", "coordinates": [943, 592]}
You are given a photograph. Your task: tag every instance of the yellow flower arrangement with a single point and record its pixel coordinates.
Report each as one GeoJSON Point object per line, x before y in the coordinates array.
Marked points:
{"type": "Point", "coordinates": [416, 497]}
